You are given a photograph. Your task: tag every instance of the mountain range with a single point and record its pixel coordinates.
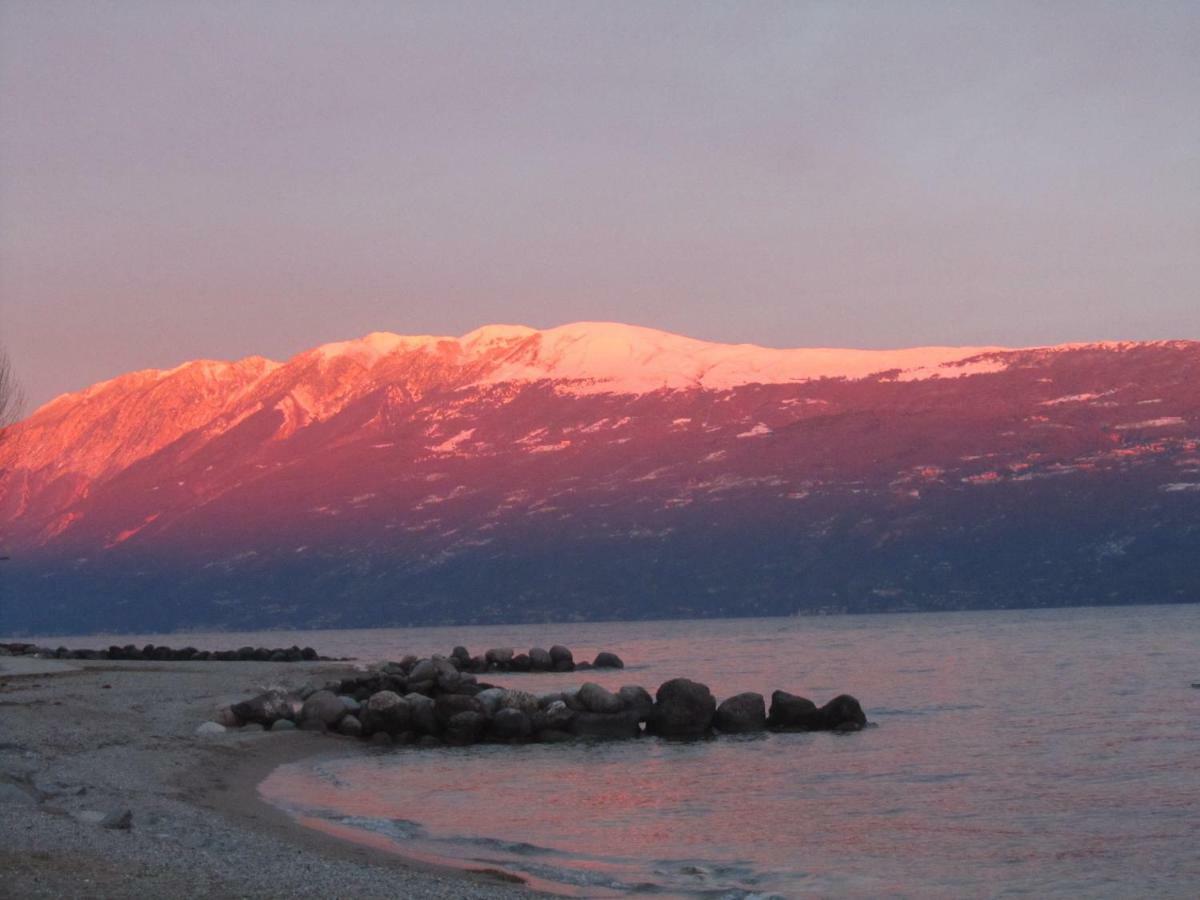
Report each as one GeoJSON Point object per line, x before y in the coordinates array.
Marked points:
{"type": "Point", "coordinates": [602, 471]}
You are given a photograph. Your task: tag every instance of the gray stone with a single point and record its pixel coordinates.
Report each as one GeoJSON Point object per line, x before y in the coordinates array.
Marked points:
{"type": "Point", "coordinates": [564, 660]}
{"type": "Point", "coordinates": [322, 707]}
{"type": "Point", "coordinates": [511, 724]}
{"type": "Point", "coordinates": [491, 698]}
{"type": "Point", "coordinates": [352, 706]}
{"type": "Point", "coordinates": [424, 670]}
{"type": "Point", "coordinates": [281, 725]}
{"type": "Point", "coordinates": [741, 714]}
{"type": "Point", "coordinates": [598, 699]}
{"type": "Point", "coordinates": [790, 712]}
{"type": "Point", "coordinates": [350, 726]}
{"type": "Point", "coordinates": [226, 717]}
{"type": "Point", "coordinates": [637, 698]}
{"type": "Point", "coordinates": [682, 708]}
{"type": "Point", "coordinates": [209, 729]}
{"type": "Point", "coordinates": [606, 660]}
{"type": "Point", "coordinates": [265, 708]}
{"type": "Point", "coordinates": [465, 727]}
{"type": "Point", "coordinates": [386, 711]}
{"type": "Point", "coordinates": [540, 660]}
{"type": "Point", "coordinates": [423, 717]}
{"type": "Point", "coordinates": [499, 656]}
{"type": "Point", "coordinates": [558, 716]}
{"type": "Point", "coordinates": [448, 706]}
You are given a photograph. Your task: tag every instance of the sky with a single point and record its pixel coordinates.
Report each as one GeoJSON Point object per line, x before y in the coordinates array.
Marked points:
{"type": "Point", "coordinates": [219, 179]}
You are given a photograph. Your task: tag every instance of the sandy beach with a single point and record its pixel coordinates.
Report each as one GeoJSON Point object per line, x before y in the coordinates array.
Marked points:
{"type": "Point", "coordinates": [82, 740]}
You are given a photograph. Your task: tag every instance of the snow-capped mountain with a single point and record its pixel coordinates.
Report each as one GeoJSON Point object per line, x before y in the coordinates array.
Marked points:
{"type": "Point", "coordinates": [604, 470]}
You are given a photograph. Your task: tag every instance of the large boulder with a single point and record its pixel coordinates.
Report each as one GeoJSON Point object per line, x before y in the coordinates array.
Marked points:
{"type": "Point", "coordinates": [562, 658]}
{"type": "Point", "coordinates": [448, 676]}
{"type": "Point", "coordinates": [447, 706]}
{"type": "Point", "coordinates": [540, 660]}
{"type": "Point", "coordinates": [350, 726]}
{"type": "Point", "coordinates": [790, 712]}
{"type": "Point", "coordinates": [491, 698]}
{"type": "Point", "coordinates": [597, 699]}
{"type": "Point", "coordinates": [571, 697]}
{"type": "Point", "coordinates": [511, 724]}
{"type": "Point", "coordinates": [606, 660]}
{"type": "Point", "coordinates": [682, 708]}
{"type": "Point", "coordinates": [606, 725]}
{"type": "Point", "coordinates": [424, 670]}
{"type": "Point", "coordinates": [465, 727]}
{"type": "Point", "coordinates": [461, 656]}
{"type": "Point", "coordinates": [741, 713]}
{"type": "Point", "coordinates": [386, 711]}
{"type": "Point", "coordinates": [265, 708]}
{"type": "Point", "coordinates": [638, 699]}
{"type": "Point", "coordinates": [557, 716]}
{"type": "Point", "coordinates": [843, 713]}
{"type": "Point", "coordinates": [322, 709]}
{"type": "Point", "coordinates": [423, 716]}
{"type": "Point", "coordinates": [522, 700]}
{"type": "Point", "coordinates": [500, 657]}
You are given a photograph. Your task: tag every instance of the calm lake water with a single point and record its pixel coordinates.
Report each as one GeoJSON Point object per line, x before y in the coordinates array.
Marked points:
{"type": "Point", "coordinates": [1017, 753]}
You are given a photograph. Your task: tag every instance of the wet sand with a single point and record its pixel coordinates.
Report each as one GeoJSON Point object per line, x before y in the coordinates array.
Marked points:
{"type": "Point", "coordinates": [82, 739]}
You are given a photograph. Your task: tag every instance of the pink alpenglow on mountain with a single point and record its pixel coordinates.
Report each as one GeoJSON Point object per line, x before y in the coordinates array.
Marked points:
{"type": "Point", "coordinates": [600, 470]}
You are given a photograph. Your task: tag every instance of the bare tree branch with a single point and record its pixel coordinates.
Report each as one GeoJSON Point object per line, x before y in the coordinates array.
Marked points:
{"type": "Point", "coordinates": [12, 400]}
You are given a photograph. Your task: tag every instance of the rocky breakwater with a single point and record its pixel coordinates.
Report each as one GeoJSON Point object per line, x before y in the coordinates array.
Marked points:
{"type": "Point", "coordinates": [164, 653]}
{"type": "Point", "coordinates": [432, 702]}
{"type": "Point", "coordinates": [505, 659]}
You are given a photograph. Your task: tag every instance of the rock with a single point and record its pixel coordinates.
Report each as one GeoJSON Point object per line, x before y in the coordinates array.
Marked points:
{"type": "Point", "coordinates": [308, 654]}
{"type": "Point", "coordinates": [637, 698]}
{"type": "Point", "coordinates": [843, 713]}
{"type": "Point", "coordinates": [520, 663]}
{"type": "Point", "coordinates": [350, 726]}
{"type": "Point", "coordinates": [606, 660]}
{"type": "Point", "coordinates": [447, 677]}
{"type": "Point", "coordinates": [386, 711]}
{"type": "Point", "coordinates": [117, 819]}
{"type": "Point", "coordinates": [424, 717]}
{"type": "Point", "coordinates": [511, 724]}
{"type": "Point", "coordinates": [682, 708]}
{"type": "Point", "coordinates": [500, 657]}
{"type": "Point", "coordinates": [597, 699]}
{"type": "Point", "coordinates": [209, 729]}
{"type": "Point", "coordinates": [352, 706]}
{"type": "Point", "coordinates": [226, 717]}
{"type": "Point", "coordinates": [571, 698]}
{"type": "Point", "coordinates": [606, 725]}
{"type": "Point", "coordinates": [491, 698]}
{"type": "Point", "coordinates": [465, 727]}
{"type": "Point", "coordinates": [265, 708]}
{"type": "Point", "coordinates": [461, 656]}
{"type": "Point", "coordinates": [283, 725]}
{"type": "Point", "coordinates": [741, 714]}
{"type": "Point", "coordinates": [323, 707]}
{"type": "Point", "coordinates": [562, 658]}
{"type": "Point", "coordinates": [545, 700]}
{"type": "Point", "coordinates": [584, 666]}
{"type": "Point", "coordinates": [424, 670]}
{"type": "Point", "coordinates": [558, 716]}
{"type": "Point", "coordinates": [540, 660]}
{"type": "Point", "coordinates": [790, 712]}
{"type": "Point", "coordinates": [522, 700]}
{"type": "Point", "coordinates": [447, 706]}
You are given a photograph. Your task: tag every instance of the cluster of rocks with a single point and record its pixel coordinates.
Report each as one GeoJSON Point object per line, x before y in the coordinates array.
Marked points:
{"type": "Point", "coordinates": [504, 659]}
{"type": "Point", "coordinates": [177, 654]}
{"type": "Point", "coordinates": [433, 702]}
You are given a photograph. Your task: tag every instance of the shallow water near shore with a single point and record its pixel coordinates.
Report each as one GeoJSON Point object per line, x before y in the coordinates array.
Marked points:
{"type": "Point", "coordinates": [1024, 752]}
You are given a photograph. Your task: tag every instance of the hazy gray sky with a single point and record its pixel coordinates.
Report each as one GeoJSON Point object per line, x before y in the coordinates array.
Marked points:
{"type": "Point", "coordinates": [186, 179]}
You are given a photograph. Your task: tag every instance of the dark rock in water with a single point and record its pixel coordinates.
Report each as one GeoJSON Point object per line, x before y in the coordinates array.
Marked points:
{"type": "Point", "coordinates": [324, 707]}
{"type": "Point", "coordinates": [386, 711]}
{"type": "Point", "coordinates": [461, 656]}
{"type": "Point", "coordinates": [557, 716]}
{"type": "Point", "coordinates": [790, 712]}
{"type": "Point", "coordinates": [843, 710]}
{"type": "Point", "coordinates": [741, 713]}
{"type": "Point", "coordinates": [682, 708]}
{"type": "Point", "coordinates": [540, 660]}
{"type": "Point", "coordinates": [308, 654]}
{"type": "Point", "coordinates": [421, 687]}
{"type": "Point", "coordinates": [511, 724]}
{"type": "Point", "coordinates": [350, 726]}
{"type": "Point", "coordinates": [424, 670]}
{"type": "Point", "coordinates": [465, 728]}
{"type": "Point", "coordinates": [265, 708]}
{"type": "Point", "coordinates": [277, 656]}
{"type": "Point", "coordinates": [606, 725]}
{"type": "Point", "coordinates": [573, 701]}
{"type": "Point", "coordinates": [562, 658]}
{"type": "Point", "coordinates": [447, 706]}
{"type": "Point", "coordinates": [583, 666]}
{"type": "Point", "coordinates": [424, 718]}
{"type": "Point", "coordinates": [520, 663]}
{"type": "Point", "coordinates": [847, 727]}
{"type": "Point", "coordinates": [500, 657]}
{"type": "Point", "coordinates": [478, 664]}
{"type": "Point", "coordinates": [637, 699]}
{"type": "Point", "coordinates": [491, 698]}
{"type": "Point", "coordinates": [606, 660]}
{"type": "Point", "coordinates": [597, 699]}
